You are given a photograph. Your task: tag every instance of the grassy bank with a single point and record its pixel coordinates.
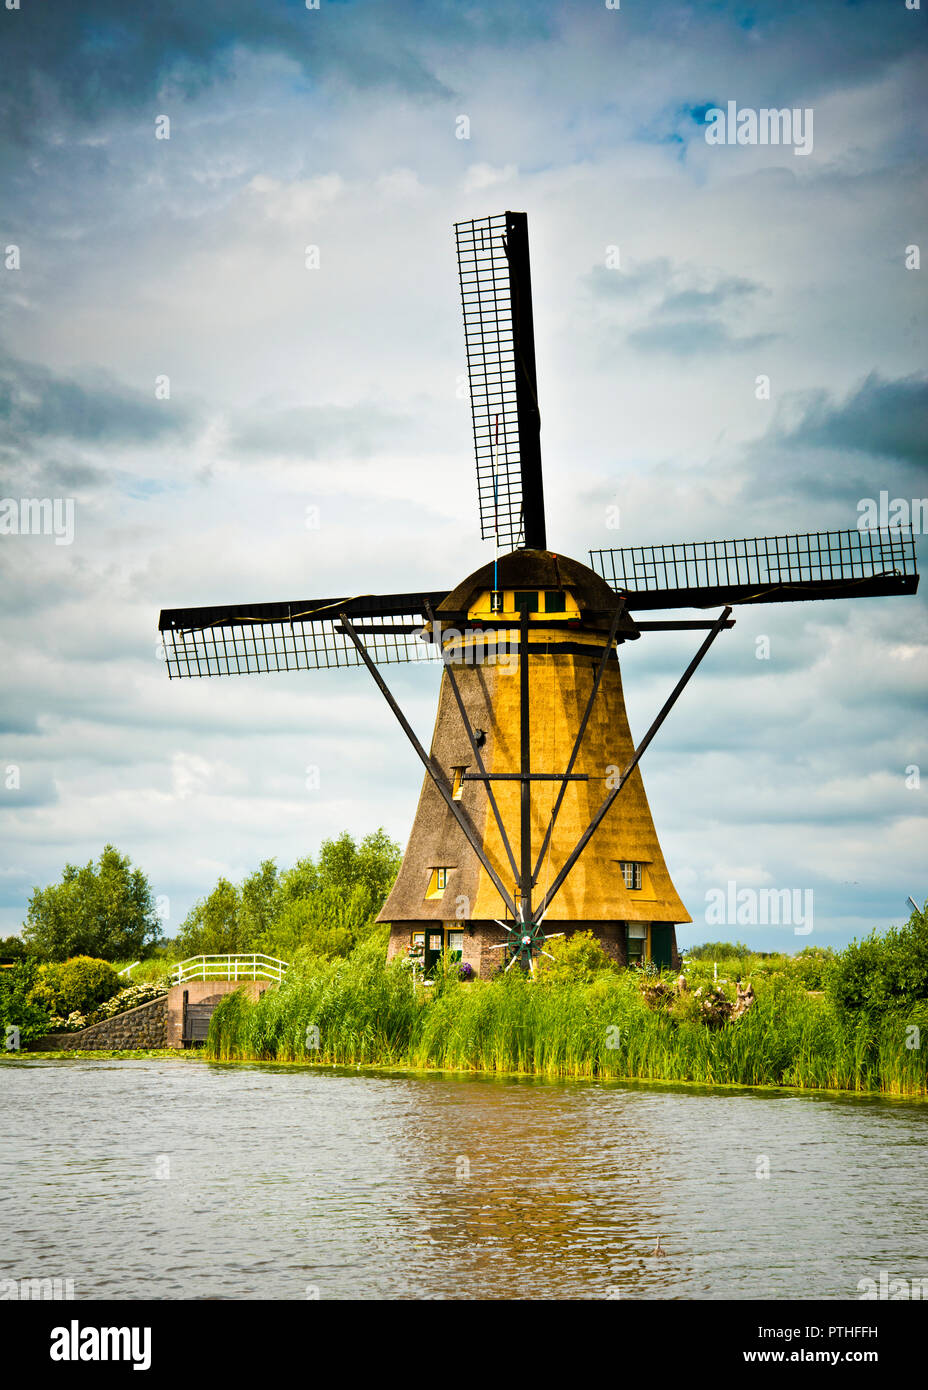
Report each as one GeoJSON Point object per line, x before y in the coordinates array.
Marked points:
{"type": "Point", "coordinates": [357, 1011]}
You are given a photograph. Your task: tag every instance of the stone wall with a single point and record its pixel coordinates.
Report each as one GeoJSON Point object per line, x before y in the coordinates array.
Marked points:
{"type": "Point", "coordinates": [142, 1027]}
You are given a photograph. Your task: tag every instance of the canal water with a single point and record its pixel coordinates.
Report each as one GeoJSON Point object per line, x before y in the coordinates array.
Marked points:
{"type": "Point", "coordinates": [161, 1179]}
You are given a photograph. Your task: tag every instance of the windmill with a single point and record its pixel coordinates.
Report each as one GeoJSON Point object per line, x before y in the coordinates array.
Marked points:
{"type": "Point", "coordinates": [533, 813]}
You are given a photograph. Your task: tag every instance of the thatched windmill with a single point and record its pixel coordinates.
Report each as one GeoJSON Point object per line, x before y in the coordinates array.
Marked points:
{"type": "Point", "coordinates": [533, 819]}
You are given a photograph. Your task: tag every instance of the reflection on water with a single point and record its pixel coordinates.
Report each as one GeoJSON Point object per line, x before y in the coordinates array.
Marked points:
{"type": "Point", "coordinates": [282, 1181]}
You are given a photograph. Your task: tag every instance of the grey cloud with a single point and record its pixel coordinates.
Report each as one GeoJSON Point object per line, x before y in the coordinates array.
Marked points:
{"type": "Point", "coordinates": [888, 419]}
{"type": "Point", "coordinates": [105, 56]}
{"type": "Point", "coordinates": [36, 403]}
{"type": "Point", "coordinates": [835, 453]}
{"type": "Point", "coordinates": [691, 337]}
{"type": "Point", "coordinates": [693, 324]}
{"type": "Point", "coordinates": [698, 301]}
{"type": "Point", "coordinates": [616, 283]}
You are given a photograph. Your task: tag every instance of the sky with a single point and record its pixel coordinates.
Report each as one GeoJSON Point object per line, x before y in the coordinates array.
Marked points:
{"type": "Point", "coordinates": [172, 366]}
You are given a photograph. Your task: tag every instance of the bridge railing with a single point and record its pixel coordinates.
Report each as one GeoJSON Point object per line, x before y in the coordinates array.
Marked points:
{"type": "Point", "coordinates": [241, 966]}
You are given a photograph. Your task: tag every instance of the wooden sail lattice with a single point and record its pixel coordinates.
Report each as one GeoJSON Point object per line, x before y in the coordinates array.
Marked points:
{"type": "Point", "coordinates": [762, 569]}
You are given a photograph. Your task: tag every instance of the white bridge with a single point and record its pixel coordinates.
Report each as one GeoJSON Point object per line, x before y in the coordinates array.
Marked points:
{"type": "Point", "coordinates": [232, 967]}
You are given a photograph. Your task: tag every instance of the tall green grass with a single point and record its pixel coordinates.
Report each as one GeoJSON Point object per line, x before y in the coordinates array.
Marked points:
{"type": "Point", "coordinates": [371, 1014]}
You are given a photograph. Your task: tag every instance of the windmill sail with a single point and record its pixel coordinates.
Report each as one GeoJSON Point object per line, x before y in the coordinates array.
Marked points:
{"type": "Point", "coordinates": [496, 295]}
{"type": "Point", "coordinates": [762, 569]}
{"type": "Point", "coordinates": [246, 639]}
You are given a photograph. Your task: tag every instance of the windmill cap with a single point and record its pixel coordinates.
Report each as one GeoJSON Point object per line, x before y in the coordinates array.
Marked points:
{"type": "Point", "coordinates": [542, 569]}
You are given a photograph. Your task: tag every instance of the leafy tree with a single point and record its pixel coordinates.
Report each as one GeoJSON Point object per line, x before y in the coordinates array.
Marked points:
{"type": "Point", "coordinates": [12, 948]}
{"type": "Point", "coordinates": [300, 881]}
{"type": "Point", "coordinates": [330, 906]}
{"type": "Point", "coordinates": [259, 904]}
{"type": "Point", "coordinates": [371, 866]}
{"type": "Point", "coordinates": [883, 972]}
{"type": "Point", "coordinates": [213, 926]}
{"type": "Point", "coordinates": [323, 907]}
{"type": "Point", "coordinates": [105, 910]}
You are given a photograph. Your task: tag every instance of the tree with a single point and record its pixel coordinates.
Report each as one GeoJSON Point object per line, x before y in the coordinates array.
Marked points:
{"type": "Point", "coordinates": [105, 910]}
{"type": "Point", "coordinates": [260, 902]}
{"type": "Point", "coordinates": [213, 926]}
{"type": "Point", "coordinates": [324, 907]}
{"type": "Point", "coordinates": [346, 891]}
{"type": "Point", "coordinates": [883, 972]}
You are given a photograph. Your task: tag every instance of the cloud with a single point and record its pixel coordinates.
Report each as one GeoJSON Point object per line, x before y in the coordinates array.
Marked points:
{"type": "Point", "coordinates": [886, 419]}
{"type": "Point", "coordinates": [695, 302]}
{"type": "Point", "coordinates": [619, 283]}
{"type": "Point", "coordinates": [311, 432]}
{"type": "Point", "coordinates": [694, 337]}
{"type": "Point", "coordinates": [297, 203]}
{"type": "Point", "coordinates": [104, 57]}
{"type": "Point", "coordinates": [39, 404]}
{"type": "Point", "coordinates": [481, 176]}
{"type": "Point", "coordinates": [691, 301]}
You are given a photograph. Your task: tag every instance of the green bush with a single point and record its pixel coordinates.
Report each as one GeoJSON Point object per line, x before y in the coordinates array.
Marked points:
{"type": "Point", "coordinates": [18, 1009]}
{"type": "Point", "coordinates": [884, 972]}
{"type": "Point", "coordinates": [718, 950]}
{"type": "Point", "coordinates": [578, 957]}
{"type": "Point", "coordinates": [75, 986]}
{"type": "Point", "coordinates": [812, 965]}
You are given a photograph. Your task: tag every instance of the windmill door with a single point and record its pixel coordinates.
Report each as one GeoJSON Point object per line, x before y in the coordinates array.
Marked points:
{"type": "Point", "coordinates": [661, 945]}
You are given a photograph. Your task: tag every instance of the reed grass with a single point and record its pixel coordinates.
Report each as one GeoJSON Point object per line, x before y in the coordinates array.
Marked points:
{"type": "Point", "coordinates": [370, 1014]}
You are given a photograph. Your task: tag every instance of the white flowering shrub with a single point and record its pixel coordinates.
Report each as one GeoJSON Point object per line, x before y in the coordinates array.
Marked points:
{"type": "Point", "coordinates": [126, 999]}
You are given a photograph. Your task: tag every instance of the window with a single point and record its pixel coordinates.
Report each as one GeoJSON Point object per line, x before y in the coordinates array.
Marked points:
{"type": "Point", "coordinates": [526, 600]}
{"type": "Point", "coordinates": [455, 944]}
{"type": "Point", "coordinates": [555, 601]}
{"type": "Point", "coordinates": [438, 882]}
{"type": "Point", "coordinates": [636, 935]}
{"type": "Point", "coordinates": [631, 873]}
{"type": "Point", "coordinates": [457, 782]}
